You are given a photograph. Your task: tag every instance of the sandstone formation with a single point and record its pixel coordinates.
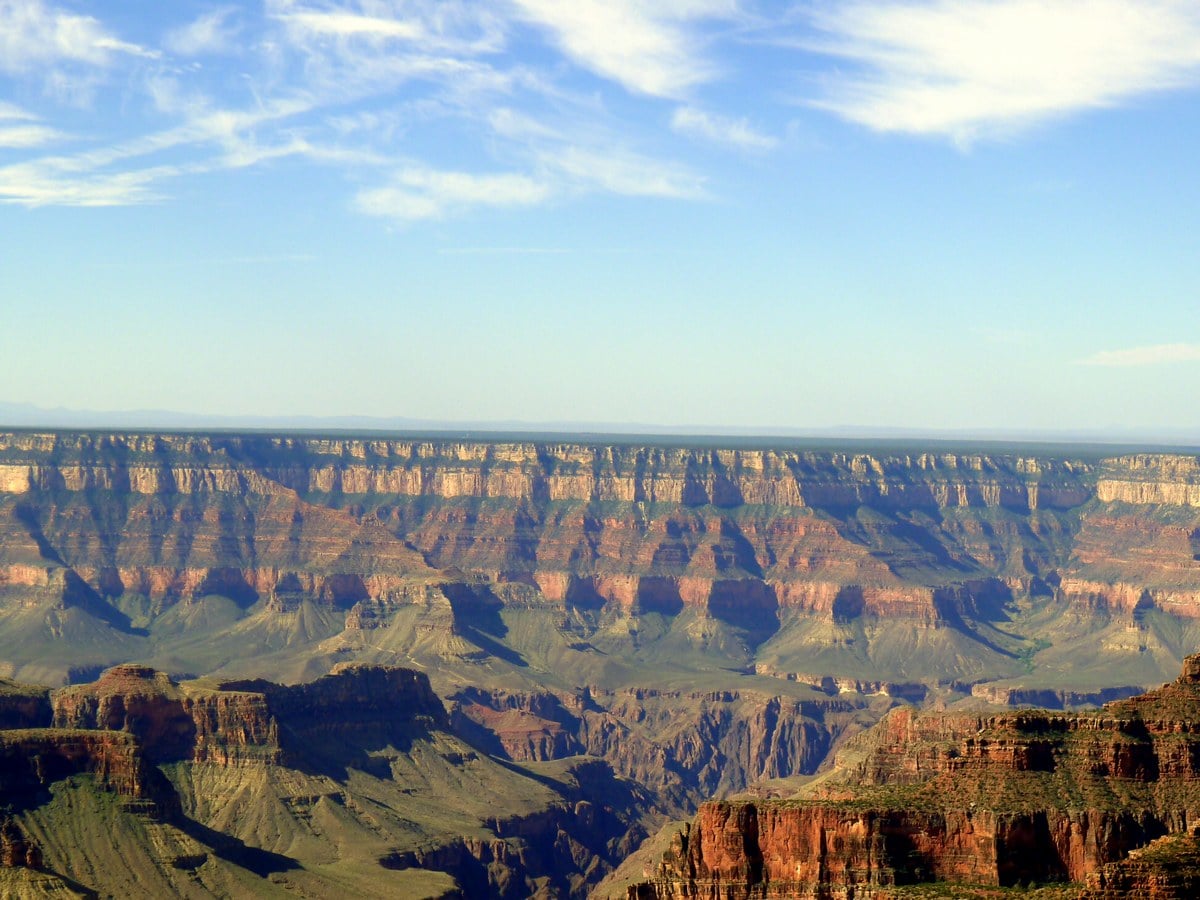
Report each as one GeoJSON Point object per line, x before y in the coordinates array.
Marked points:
{"type": "Point", "coordinates": [23, 705]}
{"type": "Point", "coordinates": [805, 553]}
{"type": "Point", "coordinates": [974, 799]}
{"type": "Point", "coordinates": [237, 780]}
{"type": "Point", "coordinates": [686, 746]}
{"type": "Point", "coordinates": [125, 526]}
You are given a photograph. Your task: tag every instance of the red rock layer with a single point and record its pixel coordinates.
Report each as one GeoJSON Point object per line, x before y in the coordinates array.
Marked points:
{"type": "Point", "coordinates": [242, 720]}
{"type": "Point", "coordinates": [274, 518]}
{"type": "Point", "coordinates": [1000, 800]}
{"type": "Point", "coordinates": [16, 849]}
{"type": "Point", "coordinates": [30, 759]}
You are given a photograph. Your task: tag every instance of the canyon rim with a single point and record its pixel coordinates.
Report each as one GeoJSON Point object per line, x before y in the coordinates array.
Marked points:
{"type": "Point", "coordinates": [464, 667]}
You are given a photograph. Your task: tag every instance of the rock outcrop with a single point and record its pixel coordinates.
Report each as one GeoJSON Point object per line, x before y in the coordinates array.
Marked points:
{"type": "Point", "coordinates": [225, 721]}
{"type": "Point", "coordinates": [24, 705]}
{"type": "Point", "coordinates": [172, 751]}
{"type": "Point", "coordinates": [16, 850]}
{"type": "Point", "coordinates": [724, 741]}
{"type": "Point", "coordinates": [32, 759]}
{"type": "Point", "coordinates": [1003, 800]}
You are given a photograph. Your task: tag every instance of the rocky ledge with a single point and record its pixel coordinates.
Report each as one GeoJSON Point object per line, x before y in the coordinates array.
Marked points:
{"type": "Point", "coordinates": [224, 721]}
{"type": "Point", "coordinates": [1030, 797]}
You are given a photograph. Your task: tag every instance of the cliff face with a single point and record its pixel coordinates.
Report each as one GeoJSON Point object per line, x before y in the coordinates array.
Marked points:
{"type": "Point", "coordinates": [738, 533]}
{"type": "Point", "coordinates": [659, 527]}
{"type": "Point", "coordinates": [227, 721]}
{"type": "Point", "coordinates": [34, 758]}
{"type": "Point", "coordinates": [23, 705]}
{"type": "Point", "coordinates": [1003, 800]}
{"type": "Point", "coordinates": [239, 780]}
{"type": "Point", "coordinates": [685, 746]}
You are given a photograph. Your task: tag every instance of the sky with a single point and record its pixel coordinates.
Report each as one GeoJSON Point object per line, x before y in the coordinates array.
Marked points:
{"type": "Point", "coordinates": [756, 214]}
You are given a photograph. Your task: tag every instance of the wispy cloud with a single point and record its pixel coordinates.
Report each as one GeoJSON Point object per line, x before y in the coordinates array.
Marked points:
{"type": "Point", "coordinates": [1144, 356]}
{"type": "Point", "coordinates": [968, 69]}
{"type": "Point", "coordinates": [342, 24]}
{"type": "Point", "coordinates": [212, 33]}
{"type": "Point", "coordinates": [125, 173]}
{"type": "Point", "coordinates": [620, 171]}
{"type": "Point", "coordinates": [35, 184]}
{"type": "Point", "coordinates": [12, 111]}
{"type": "Point", "coordinates": [348, 83]}
{"type": "Point", "coordinates": [33, 34]}
{"type": "Point", "coordinates": [577, 158]}
{"type": "Point", "coordinates": [418, 193]}
{"type": "Point", "coordinates": [736, 133]}
{"type": "Point", "coordinates": [23, 136]}
{"type": "Point", "coordinates": [649, 48]}
{"type": "Point", "coordinates": [439, 25]}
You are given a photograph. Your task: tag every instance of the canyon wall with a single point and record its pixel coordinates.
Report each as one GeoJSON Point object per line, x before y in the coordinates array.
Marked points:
{"type": "Point", "coordinates": [207, 773]}
{"type": "Point", "coordinates": [741, 533]}
{"type": "Point", "coordinates": [997, 799]}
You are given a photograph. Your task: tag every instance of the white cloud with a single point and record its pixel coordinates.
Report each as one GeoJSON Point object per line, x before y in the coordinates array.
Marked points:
{"type": "Point", "coordinates": [1144, 356]}
{"type": "Point", "coordinates": [340, 24]}
{"type": "Point", "coordinates": [27, 135]}
{"type": "Point", "coordinates": [439, 25]}
{"type": "Point", "coordinates": [622, 172]}
{"type": "Point", "coordinates": [737, 133]}
{"type": "Point", "coordinates": [644, 45]}
{"type": "Point", "coordinates": [33, 35]}
{"type": "Point", "coordinates": [344, 83]}
{"type": "Point", "coordinates": [419, 193]}
{"type": "Point", "coordinates": [39, 184]}
{"type": "Point", "coordinates": [11, 111]}
{"type": "Point", "coordinates": [514, 125]}
{"type": "Point", "coordinates": [122, 174]}
{"type": "Point", "coordinates": [211, 33]}
{"type": "Point", "coordinates": [977, 68]}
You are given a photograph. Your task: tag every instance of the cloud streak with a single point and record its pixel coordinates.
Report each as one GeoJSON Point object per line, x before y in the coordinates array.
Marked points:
{"type": "Point", "coordinates": [418, 193]}
{"type": "Point", "coordinates": [970, 69]}
{"type": "Point", "coordinates": [33, 34]}
{"type": "Point", "coordinates": [210, 33]}
{"type": "Point", "coordinates": [736, 133]}
{"type": "Point", "coordinates": [24, 136]}
{"type": "Point", "coordinates": [1155, 354]}
{"type": "Point", "coordinates": [649, 48]}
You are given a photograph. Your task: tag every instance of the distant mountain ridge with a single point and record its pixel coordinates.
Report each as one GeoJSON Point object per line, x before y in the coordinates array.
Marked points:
{"type": "Point", "coordinates": [28, 415]}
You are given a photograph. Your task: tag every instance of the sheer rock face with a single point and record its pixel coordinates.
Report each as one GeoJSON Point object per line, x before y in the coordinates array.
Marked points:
{"type": "Point", "coordinates": [242, 719]}
{"type": "Point", "coordinates": [1007, 799]}
{"type": "Point", "coordinates": [735, 532]}
{"type": "Point", "coordinates": [759, 539]}
{"type": "Point", "coordinates": [31, 759]}
{"type": "Point", "coordinates": [176, 753]}
{"type": "Point", "coordinates": [24, 705]}
{"type": "Point", "coordinates": [135, 699]}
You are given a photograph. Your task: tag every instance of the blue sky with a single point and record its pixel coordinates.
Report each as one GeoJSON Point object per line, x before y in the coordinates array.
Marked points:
{"type": "Point", "coordinates": [980, 214]}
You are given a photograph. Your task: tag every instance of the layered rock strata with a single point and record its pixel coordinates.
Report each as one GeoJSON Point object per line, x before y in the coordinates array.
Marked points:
{"type": "Point", "coordinates": [740, 533]}
{"type": "Point", "coordinates": [1003, 800]}
{"type": "Point", "coordinates": [288, 756]}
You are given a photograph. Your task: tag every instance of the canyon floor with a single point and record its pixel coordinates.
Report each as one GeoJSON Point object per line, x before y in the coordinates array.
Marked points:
{"type": "Point", "coordinates": [596, 639]}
